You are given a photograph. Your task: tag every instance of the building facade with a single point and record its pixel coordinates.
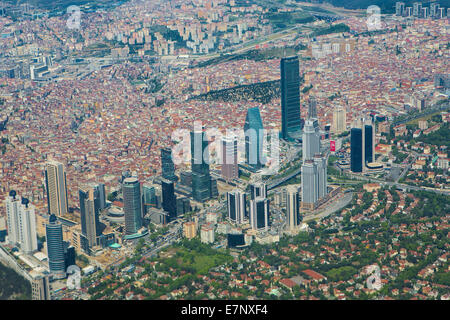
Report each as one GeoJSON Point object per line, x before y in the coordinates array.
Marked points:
{"type": "Point", "coordinates": [290, 97]}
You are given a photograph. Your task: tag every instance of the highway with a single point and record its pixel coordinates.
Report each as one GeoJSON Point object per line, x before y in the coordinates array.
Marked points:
{"type": "Point", "coordinates": [336, 206]}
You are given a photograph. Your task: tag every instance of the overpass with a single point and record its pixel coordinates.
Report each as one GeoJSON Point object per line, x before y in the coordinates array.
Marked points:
{"type": "Point", "coordinates": [282, 180]}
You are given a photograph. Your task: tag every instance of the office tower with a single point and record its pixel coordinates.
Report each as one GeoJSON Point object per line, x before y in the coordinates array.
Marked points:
{"type": "Point", "coordinates": [132, 207]}
{"type": "Point", "coordinates": [356, 150]}
{"type": "Point", "coordinates": [425, 12]}
{"type": "Point", "coordinates": [183, 206]}
{"type": "Point", "coordinates": [236, 204]}
{"type": "Point", "coordinates": [369, 136]}
{"type": "Point", "coordinates": [40, 287]}
{"type": "Point", "coordinates": [290, 97]}
{"type": "Point", "coordinates": [21, 222]}
{"type": "Point", "coordinates": [258, 190]}
{"type": "Point", "coordinates": [149, 197]}
{"type": "Point", "coordinates": [417, 9]}
{"type": "Point", "coordinates": [89, 213]}
{"type": "Point", "coordinates": [56, 185]}
{"type": "Point", "coordinates": [55, 247]}
{"type": "Point", "coordinates": [339, 120]}
{"type": "Point", "coordinates": [69, 254]}
{"type": "Point", "coordinates": [310, 183]}
{"type": "Point", "coordinates": [230, 168]}
{"type": "Point", "coordinates": [254, 138]}
{"type": "Point", "coordinates": [169, 200]}
{"type": "Point", "coordinates": [214, 189]}
{"type": "Point", "coordinates": [259, 214]}
{"type": "Point", "coordinates": [408, 11]}
{"type": "Point", "coordinates": [201, 177]}
{"type": "Point", "coordinates": [311, 139]}
{"type": "Point", "coordinates": [312, 108]}
{"type": "Point", "coordinates": [167, 165]}
{"type": "Point", "coordinates": [27, 227]}
{"type": "Point", "coordinates": [101, 196]}
{"type": "Point", "coordinates": [434, 10]}
{"type": "Point", "coordinates": [321, 164]}
{"type": "Point", "coordinates": [12, 203]}
{"type": "Point", "coordinates": [292, 207]}
{"type": "Point", "coordinates": [399, 8]}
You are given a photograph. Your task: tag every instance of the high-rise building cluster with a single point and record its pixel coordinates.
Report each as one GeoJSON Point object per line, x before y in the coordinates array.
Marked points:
{"type": "Point", "coordinates": [419, 10]}
{"type": "Point", "coordinates": [362, 145]}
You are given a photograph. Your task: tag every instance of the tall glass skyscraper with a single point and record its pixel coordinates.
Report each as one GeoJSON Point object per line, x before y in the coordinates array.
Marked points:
{"type": "Point", "coordinates": [132, 205]}
{"type": "Point", "coordinates": [55, 247]}
{"type": "Point", "coordinates": [167, 165]}
{"type": "Point", "coordinates": [254, 138]}
{"type": "Point", "coordinates": [368, 144]}
{"type": "Point", "coordinates": [169, 200]}
{"type": "Point", "coordinates": [201, 177]}
{"type": "Point", "coordinates": [290, 97]}
{"type": "Point", "coordinates": [356, 150]}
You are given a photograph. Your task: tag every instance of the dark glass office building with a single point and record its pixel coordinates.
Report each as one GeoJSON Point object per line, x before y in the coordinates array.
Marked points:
{"type": "Point", "coordinates": [167, 165]}
{"type": "Point", "coordinates": [201, 177]}
{"type": "Point", "coordinates": [356, 150]}
{"type": "Point", "coordinates": [55, 247]}
{"type": "Point", "coordinates": [254, 137]}
{"type": "Point", "coordinates": [132, 205]}
{"type": "Point", "coordinates": [290, 97]}
{"type": "Point", "coordinates": [368, 144]}
{"type": "Point", "coordinates": [169, 200]}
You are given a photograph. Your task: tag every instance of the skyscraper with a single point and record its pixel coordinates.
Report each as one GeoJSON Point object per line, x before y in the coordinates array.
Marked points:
{"type": "Point", "coordinates": [12, 203]}
{"type": "Point", "coordinates": [310, 183]}
{"type": "Point", "coordinates": [167, 165]}
{"type": "Point", "coordinates": [236, 204]}
{"type": "Point", "coordinates": [312, 108]}
{"type": "Point", "coordinates": [311, 139]}
{"type": "Point", "coordinates": [55, 247]}
{"type": "Point", "coordinates": [56, 185]}
{"type": "Point", "coordinates": [292, 207]}
{"type": "Point", "coordinates": [368, 143]}
{"type": "Point", "coordinates": [201, 177]}
{"type": "Point", "coordinates": [258, 190]}
{"type": "Point", "coordinates": [356, 150]}
{"type": "Point", "coordinates": [132, 207]}
{"type": "Point", "coordinates": [101, 196]}
{"type": "Point", "coordinates": [21, 222]}
{"type": "Point", "coordinates": [254, 138]}
{"type": "Point", "coordinates": [89, 212]}
{"type": "Point", "coordinates": [321, 164]}
{"type": "Point", "coordinates": [169, 200]}
{"type": "Point", "coordinates": [259, 214]}
{"type": "Point", "coordinates": [399, 8]}
{"type": "Point", "coordinates": [339, 119]}
{"type": "Point", "coordinates": [230, 168]}
{"type": "Point", "coordinates": [27, 227]}
{"type": "Point", "coordinates": [149, 197]}
{"type": "Point", "coordinates": [290, 97]}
